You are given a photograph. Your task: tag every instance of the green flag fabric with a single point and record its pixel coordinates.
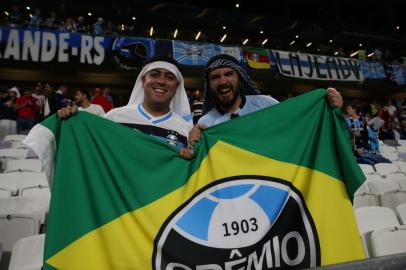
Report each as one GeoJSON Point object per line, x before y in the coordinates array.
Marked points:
{"type": "Point", "coordinates": [271, 189]}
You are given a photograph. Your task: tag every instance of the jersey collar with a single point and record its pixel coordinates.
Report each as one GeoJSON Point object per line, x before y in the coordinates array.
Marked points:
{"type": "Point", "coordinates": [154, 120]}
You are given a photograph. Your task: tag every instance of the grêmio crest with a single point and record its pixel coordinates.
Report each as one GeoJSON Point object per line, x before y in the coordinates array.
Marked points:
{"type": "Point", "coordinates": [244, 222]}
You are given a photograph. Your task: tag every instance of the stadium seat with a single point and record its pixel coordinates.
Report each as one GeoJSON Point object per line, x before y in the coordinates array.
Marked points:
{"type": "Point", "coordinates": [386, 168]}
{"type": "Point", "coordinates": [16, 226]}
{"type": "Point", "coordinates": [15, 137]}
{"type": "Point", "coordinates": [25, 205]}
{"type": "Point", "coordinates": [365, 199]}
{"type": "Point", "coordinates": [393, 198]}
{"type": "Point", "coordinates": [382, 185]}
{"type": "Point", "coordinates": [402, 148]}
{"type": "Point", "coordinates": [369, 193]}
{"type": "Point", "coordinates": [17, 181]}
{"type": "Point", "coordinates": [402, 166]}
{"type": "Point", "coordinates": [31, 154]}
{"type": "Point", "coordinates": [401, 212]}
{"type": "Point", "coordinates": [387, 149]}
{"type": "Point", "coordinates": [28, 253]}
{"type": "Point", "coordinates": [367, 169]}
{"type": "Point", "coordinates": [5, 193]}
{"type": "Point", "coordinates": [9, 182]}
{"type": "Point", "coordinates": [5, 145]}
{"type": "Point", "coordinates": [402, 143]}
{"type": "Point", "coordinates": [9, 154]}
{"type": "Point", "coordinates": [30, 179]}
{"type": "Point", "coordinates": [29, 165]}
{"type": "Point", "coordinates": [372, 218]}
{"type": "Point", "coordinates": [391, 156]}
{"type": "Point", "coordinates": [41, 193]}
{"type": "Point", "coordinates": [18, 145]}
{"type": "Point", "coordinates": [370, 177]}
{"type": "Point", "coordinates": [389, 241]}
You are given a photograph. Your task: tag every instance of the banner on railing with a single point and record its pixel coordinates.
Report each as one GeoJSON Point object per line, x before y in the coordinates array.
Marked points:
{"type": "Point", "coordinates": [73, 50]}
{"type": "Point", "coordinates": [399, 74]}
{"type": "Point", "coordinates": [317, 67]}
{"type": "Point", "coordinates": [257, 58]}
{"type": "Point", "coordinates": [372, 70]}
{"type": "Point", "coordinates": [197, 54]}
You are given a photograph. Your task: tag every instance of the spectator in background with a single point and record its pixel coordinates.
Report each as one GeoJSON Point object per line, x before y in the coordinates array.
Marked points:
{"type": "Point", "coordinates": [36, 20]}
{"type": "Point", "coordinates": [81, 25]}
{"type": "Point", "coordinates": [101, 100]}
{"type": "Point", "coordinates": [53, 101]}
{"type": "Point", "coordinates": [16, 17]}
{"type": "Point", "coordinates": [27, 112]}
{"type": "Point", "coordinates": [38, 94]}
{"type": "Point", "coordinates": [190, 97]}
{"type": "Point", "coordinates": [377, 55]}
{"type": "Point", "coordinates": [82, 99]}
{"type": "Point", "coordinates": [197, 105]}
{"type": "Point", "coordinates": [52, 22]}
{"type": "Point", "coordinates": [98, 27]}
{"type": "Point", "coordinates": [389, 111]}
{"type": "Point", "coordinates": [376, 122]}
{"type": "Point", "coordinates": [402, 110]}
{"type": "Point", "coordinates": [387, 56]}
{"type": "Point", "coordinates": [110, 28]}
{"type": "Point", "coordinates": [106, 93]}
{"type": "Point", "coordinates": [389, 132]}
{"type": "Point", "coordinates": [69, 25]}
{"type": "Point", "coordinates": [402, 129]}
{"type": "Point", "coordinates": [8, 113]}
{"type": "Point", "coordinates": [358, 129]}
{"type": "Point", "coordinates": [61, 100]}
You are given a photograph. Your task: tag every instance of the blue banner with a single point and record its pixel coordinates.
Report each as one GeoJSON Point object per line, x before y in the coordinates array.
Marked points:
{"type": "Point", "coordinates": [235, 52]}
{"type": "Point", "coordinates": [372, 70]}
{"type": "Point", "coordinates": [40, 47]}
{"type": "Point", "coordinates": [196, 54]}
{"type": "Point", "coordinates": [399, 74]}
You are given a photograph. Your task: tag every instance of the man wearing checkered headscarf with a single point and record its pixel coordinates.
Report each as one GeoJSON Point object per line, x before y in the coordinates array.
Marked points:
{"type": "Point", "coordinates": [229, 92]}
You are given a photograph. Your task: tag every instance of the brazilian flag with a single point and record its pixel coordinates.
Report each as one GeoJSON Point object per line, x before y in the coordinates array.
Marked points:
{"type": "Point", "coordinates": [271, 189]}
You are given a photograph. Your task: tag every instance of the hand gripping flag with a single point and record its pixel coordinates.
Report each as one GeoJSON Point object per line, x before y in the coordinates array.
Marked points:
{"type": "Point", "coordinates": [260, 194]}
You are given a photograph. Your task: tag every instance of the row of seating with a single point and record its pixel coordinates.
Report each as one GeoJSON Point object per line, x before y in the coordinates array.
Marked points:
{"type": "Point", "coordinates": [380, 203]}
{"type": "Point", "coordinates": [24, 204]}
{"type": "Point", "coordinates": [383, 231]}
{"type": "Point", "coordinates": [388, 191]}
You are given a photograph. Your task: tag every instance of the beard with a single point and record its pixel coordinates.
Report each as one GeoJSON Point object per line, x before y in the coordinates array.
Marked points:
{"type": "Point", "coordinates": [226, 104]}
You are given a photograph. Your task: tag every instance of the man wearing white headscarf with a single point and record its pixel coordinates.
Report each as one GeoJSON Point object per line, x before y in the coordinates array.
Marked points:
{"type": "Point", "coordinates": [158, 104]}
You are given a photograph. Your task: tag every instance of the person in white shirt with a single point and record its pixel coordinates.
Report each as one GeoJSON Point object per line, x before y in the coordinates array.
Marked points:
{"type": "Point", "coordinates": [158, 104]}
{"type": "Point", "coordinates": [82, 99]}
{"type": "Point", "coordinates": [391, 111]}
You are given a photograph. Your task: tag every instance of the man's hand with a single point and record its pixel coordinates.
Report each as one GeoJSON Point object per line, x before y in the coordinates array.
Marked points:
{"type": "Point", "coordinates": [334, 98]}
{"type": "Point", "coordinates": [194, 134]}
{"type": "Point", "coordinates": [67, 112]}
{"type": "Point", "coordinates": [187, 152]}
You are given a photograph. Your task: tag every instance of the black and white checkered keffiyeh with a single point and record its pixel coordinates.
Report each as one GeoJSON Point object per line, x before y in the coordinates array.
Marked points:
{"type": "Point", "coordinates": [247, 86]}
